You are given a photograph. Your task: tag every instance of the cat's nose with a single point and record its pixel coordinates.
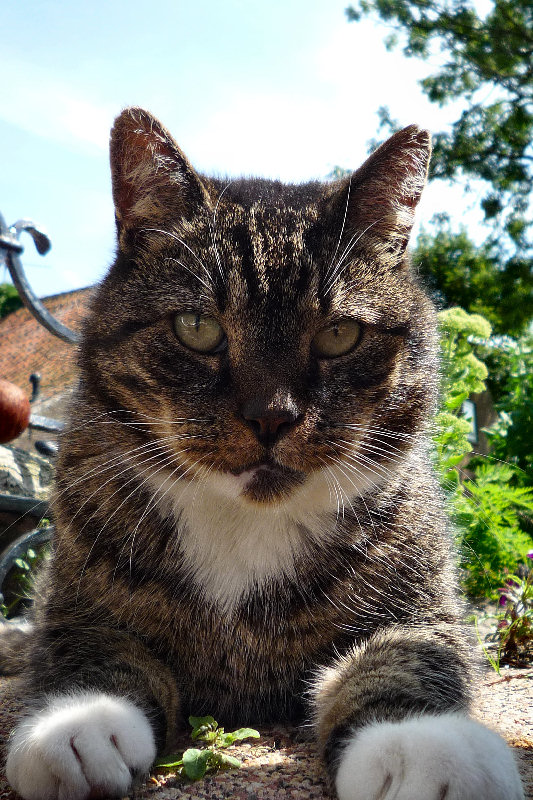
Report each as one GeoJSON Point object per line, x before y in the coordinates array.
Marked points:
{"type": "Point", "coordinates": [270, 423]}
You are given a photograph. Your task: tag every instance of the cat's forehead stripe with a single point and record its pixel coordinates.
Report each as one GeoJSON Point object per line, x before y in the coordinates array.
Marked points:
{"type": "Point", "coordinates": [271, 248]}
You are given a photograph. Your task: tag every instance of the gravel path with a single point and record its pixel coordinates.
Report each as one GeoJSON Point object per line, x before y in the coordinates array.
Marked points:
{"type": "Point", "coordinates": [283, 765]}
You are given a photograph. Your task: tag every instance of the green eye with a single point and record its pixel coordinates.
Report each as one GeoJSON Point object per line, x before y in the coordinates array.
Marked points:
{"type": "Point", "coordinates": [198, 332]}
{"type": "Point", "coordinates": [337, 339]}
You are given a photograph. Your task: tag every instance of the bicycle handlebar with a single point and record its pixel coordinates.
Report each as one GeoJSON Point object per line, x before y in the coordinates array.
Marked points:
{"type": "Point", "coordinates": [10, 250]}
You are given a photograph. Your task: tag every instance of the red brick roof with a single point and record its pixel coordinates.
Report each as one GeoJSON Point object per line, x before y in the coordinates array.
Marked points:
{"type": "Point", "coordinates": [26, 347]}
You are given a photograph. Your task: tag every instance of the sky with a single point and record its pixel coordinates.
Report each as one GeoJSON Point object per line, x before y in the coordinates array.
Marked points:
{"type": "Point", "coordinates": [286, 89]}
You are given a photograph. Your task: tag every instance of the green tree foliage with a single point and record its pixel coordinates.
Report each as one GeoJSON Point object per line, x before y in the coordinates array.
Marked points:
{"type": "Point", "coordinates": [459, 273]}
{"type": "Point", "coordinates": [488, 63]}
{"type": "Point", "coordinates": [9, 299]}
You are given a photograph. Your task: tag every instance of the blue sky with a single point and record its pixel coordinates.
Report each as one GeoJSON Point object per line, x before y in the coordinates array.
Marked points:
{"type": "Point", "coordinates": [283, 89]}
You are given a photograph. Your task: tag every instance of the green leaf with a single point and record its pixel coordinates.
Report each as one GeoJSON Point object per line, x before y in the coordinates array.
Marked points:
{"type": "Point", "coordinates": [199, 722]}
{"type": "Point", "coordinates": [227, 762]}
{"type": "Point", "coordinates": [245, 733]}
{"type": "Point", "coordinates": [170, 762]}
{"type": "Point", "coordinates": [225, 739]}
{"type": "Point", "coordinates": [195, 763]}
{"type": "Point", "coordinates": [202, 727]}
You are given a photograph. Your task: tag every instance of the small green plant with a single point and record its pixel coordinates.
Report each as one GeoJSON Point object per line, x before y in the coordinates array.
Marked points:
{"type": "Point", "coordinates": [488, 512]}
{"type": "Point", "coordinates": [19, 582]}
{"type": "Point", "coordinates": [195, 762]}
{"type": "Point", "coordinates": [494, 661]}
{"type": "Point", "coordinates": [513, 637]}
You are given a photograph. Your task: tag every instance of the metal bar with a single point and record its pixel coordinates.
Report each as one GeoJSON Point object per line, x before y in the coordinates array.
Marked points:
{"type": "Point", "coordinates": [38, 423]}
{"type": "Point", "coordinates": [11, 247]}
{"type": "Point", "coordinates": [18, 504]}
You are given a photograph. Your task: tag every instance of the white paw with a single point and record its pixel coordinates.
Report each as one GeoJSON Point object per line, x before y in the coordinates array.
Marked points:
{"type": "Point", "coordinates": [80, 744]}
{"type": "Point", "coordinates": [445, 757]}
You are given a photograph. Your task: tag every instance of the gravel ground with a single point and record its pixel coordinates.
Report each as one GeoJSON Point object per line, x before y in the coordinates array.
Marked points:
{"type": "Point", "coordinates": [284, 765]}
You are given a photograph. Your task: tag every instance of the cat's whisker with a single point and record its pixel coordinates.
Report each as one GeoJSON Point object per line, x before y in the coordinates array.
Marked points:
{"type": "Point", "coordinates": [355, 241]}
{"type": "Point", "coordinates": [372, 429]}
{"type": "Point", "coordinates": [358, 492]}
{"type": "Point", "coordinates": [106, 523]}
{"type": "Point", "coordinates": [388, 449]}
{"type": "Point", "coordinates": [169, 477]}
{"type": "Point", "coordinates": [151, 504]}
{"type": "Point", "coordinates": [100, 468]}
{"type": "Point", "coordinates": [174, 260]}
{"type": "Point", "coordinates": [170, 459]}
{"type": "Point", "coordinates": [177, 420]}
{"type": "Point", "coordinates": [211, 224]}
{"type": "Point", "coordinates": [127, 455]}
{"type": "Point", "coordinates": [345, 254]}
{"type": "Point", "coordinates": [219, 198]}
{"type": "Point", "coordinates": [366, 463]}
{"type": "Point", "coordinates": [200, 485]}
{"type": "Point", "coordinates": [342, 228]}
{"type": "Point", "coordinates": [336, 463]}
{"type": "Point", "coordinates": [392, 454]}
{"type": "Point", "coordinates": [178, 239]}
{"type": "Point", "coordinates": [160, 497]}
{"type": "Point", "coordinates": [157, 457]}
{"type": "Point", "coordinates": [335, 489]}
{"type": "Point", "coordinates": [331, 488]}
{"type": "Point", "coordinates": [157, 451]}
{"type": "Point", "coordinates": [376, 440]}
{"type": "Point", "coordinates": [97, 420]}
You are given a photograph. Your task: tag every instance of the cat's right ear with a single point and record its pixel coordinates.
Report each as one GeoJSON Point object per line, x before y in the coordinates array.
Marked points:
{"type": "Point", "coordinates": [152, 179]}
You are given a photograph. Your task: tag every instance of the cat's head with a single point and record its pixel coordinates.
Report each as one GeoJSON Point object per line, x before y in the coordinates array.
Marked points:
{"type": "Point", "coordinates": [264, 336]}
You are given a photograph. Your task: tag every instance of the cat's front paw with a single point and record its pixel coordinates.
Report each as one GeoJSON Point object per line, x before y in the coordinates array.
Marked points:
{"type": "Point", "coordinates": [445, 757]}
{"type": "Point", "coordinates": [79, 745]}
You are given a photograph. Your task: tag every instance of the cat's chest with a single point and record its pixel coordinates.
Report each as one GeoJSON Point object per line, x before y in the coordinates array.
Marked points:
{"type": "Point", "coordinates": [228, 551]}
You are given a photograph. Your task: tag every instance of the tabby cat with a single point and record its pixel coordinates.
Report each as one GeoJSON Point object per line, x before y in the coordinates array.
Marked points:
{"type": "Point", "coordinates": [247, 520]}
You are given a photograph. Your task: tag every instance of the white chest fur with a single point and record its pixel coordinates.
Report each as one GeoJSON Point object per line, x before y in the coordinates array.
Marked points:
{"type": "Point", "coordinates": [229, 544]}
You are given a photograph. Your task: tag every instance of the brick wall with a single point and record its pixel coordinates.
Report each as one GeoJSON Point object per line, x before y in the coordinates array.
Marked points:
{"type": "Point", "coordinates": [26, 347]}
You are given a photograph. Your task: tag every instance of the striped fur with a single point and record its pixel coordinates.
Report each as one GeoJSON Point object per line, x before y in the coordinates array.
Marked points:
{"type": "Point", "coordinates": [199, 569]}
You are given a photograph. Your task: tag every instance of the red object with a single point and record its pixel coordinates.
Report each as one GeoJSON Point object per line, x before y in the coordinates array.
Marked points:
{"type": "Point", "coordinates": [14, 411]}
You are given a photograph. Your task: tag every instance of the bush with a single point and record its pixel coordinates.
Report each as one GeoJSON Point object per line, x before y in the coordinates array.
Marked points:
{"type": "Point", "coordinates": [492, 510]}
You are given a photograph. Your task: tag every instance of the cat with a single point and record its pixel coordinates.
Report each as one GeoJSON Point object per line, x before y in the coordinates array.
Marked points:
{"type": "Point", "coordinates": [247, 522]}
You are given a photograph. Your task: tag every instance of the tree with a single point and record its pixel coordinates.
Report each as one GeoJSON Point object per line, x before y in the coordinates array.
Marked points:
{"type": "Point", "coordinates": [457, 273]}
{"type": "Point", "coordinates": [492, 139]}
{"type": "Point", "coordinates": [9, 299]}
{"type": "Point", "coordinates": [488, 65]}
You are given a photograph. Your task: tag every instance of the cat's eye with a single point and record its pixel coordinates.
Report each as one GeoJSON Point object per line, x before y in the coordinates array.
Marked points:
{"type": "Point", "coordinates": [199, 332]}
{"type": "Point", "coordinates": [337, 338]}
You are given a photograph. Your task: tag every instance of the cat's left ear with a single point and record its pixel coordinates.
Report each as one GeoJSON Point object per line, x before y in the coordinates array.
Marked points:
{"type": "Point", "coordinates": [152, 179]}
{"type": "Point", "coordinates": [384, 193]}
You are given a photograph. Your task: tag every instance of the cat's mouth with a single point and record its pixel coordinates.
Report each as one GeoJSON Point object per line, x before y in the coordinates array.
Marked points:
{"type": "Point", "coordinates": [267, 481]}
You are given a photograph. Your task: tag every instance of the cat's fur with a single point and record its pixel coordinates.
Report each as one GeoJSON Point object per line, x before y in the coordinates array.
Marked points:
{"type": "Point", "coordinates": [256, 532]}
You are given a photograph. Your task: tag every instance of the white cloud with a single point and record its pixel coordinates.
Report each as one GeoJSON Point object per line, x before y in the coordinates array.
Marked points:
{"type": "Point", "coordinates": [45, 105]}
{"type": "Point", "coordinates": [300, 132]}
